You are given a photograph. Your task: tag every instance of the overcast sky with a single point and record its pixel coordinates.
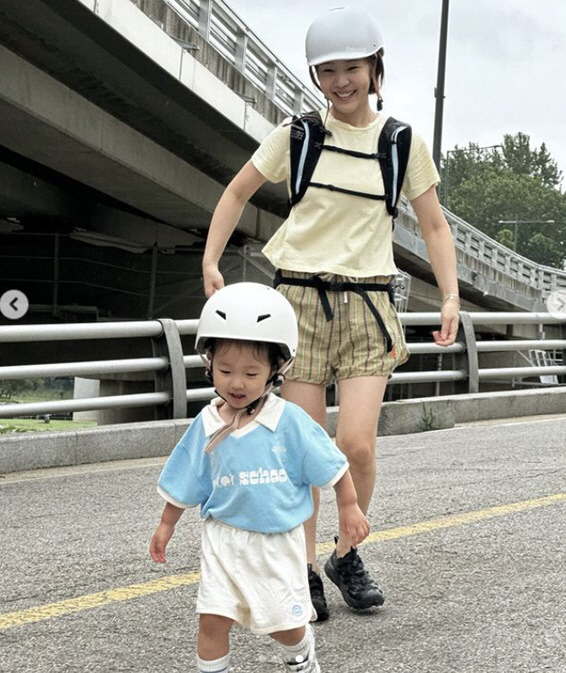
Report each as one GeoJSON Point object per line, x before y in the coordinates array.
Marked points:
{"type": "Point", "coordinates": [505, 71]}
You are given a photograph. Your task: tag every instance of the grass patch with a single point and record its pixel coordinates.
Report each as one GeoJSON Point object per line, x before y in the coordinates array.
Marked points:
{"type": "Point", "coordinates": [18, 425]}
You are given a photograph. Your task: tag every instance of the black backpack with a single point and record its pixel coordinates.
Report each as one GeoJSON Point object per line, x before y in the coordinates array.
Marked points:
{"type": "Point", "coordinates": [307, 142]}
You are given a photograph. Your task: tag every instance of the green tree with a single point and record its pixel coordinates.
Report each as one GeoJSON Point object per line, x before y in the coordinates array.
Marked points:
{"type": "Point", "coordinates": [513, 183]}
{"type": "Point", "coordinates": [18, 387]}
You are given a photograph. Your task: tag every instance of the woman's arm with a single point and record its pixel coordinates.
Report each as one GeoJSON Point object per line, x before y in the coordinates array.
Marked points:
{"type": "Point", "coordinates": [224, 220]}
{"type": "Point", "coordinates": [442, 254]}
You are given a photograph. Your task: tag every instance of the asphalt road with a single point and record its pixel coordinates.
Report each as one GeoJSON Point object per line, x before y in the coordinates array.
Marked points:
{"type": "Point", "coordinates": [468, 539]}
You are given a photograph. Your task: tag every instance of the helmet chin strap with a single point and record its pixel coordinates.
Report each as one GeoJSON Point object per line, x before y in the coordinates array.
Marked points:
{"type": "Point", "coordinates": [275, 380]}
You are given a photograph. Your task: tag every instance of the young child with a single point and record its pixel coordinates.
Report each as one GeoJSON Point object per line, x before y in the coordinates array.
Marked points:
{"type": "Point", "coordinates": [249, 460]}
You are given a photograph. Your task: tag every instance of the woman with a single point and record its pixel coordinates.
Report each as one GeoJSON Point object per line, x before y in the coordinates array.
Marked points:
{"type": "Point", "coordinates": [332, 252]}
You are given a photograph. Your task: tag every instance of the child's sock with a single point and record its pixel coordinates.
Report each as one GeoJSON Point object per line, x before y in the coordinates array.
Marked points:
{"type": "Point", "coordinates": [213, 666]}
{"type": "Point", "coordinates": [304, 649]}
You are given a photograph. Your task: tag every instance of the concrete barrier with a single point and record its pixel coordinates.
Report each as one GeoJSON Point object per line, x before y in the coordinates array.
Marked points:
{"type": "Point", "coordinates": [157, 438]}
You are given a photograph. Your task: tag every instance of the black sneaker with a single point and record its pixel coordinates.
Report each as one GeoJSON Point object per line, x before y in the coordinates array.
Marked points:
{"type": "Point", "coordinates": [317, 595]}
{"type": "Point", "coordinates": [353, 580]}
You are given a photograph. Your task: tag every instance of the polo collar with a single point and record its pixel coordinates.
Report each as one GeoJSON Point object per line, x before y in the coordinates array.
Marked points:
{"type": "Point", "coordinates": [269, 415]}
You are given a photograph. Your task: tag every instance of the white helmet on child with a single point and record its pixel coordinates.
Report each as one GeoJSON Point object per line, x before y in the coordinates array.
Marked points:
{"type": "Point", "coordinates": [250, 312]}
{"type": "Point", "coordinates": [342, 33]}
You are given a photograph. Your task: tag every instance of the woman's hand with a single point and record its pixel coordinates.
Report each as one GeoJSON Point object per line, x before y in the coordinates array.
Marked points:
{"type": "Point", "coordinates": [213, 279]}
{"type": "Point", "coordinates": [450, 319]}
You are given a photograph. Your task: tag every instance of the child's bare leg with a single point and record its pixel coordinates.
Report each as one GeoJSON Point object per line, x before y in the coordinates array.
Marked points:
{"type": "Point", "coordinates": [213, 642]}
{"type": "Point", "coordinates": [291, 637]}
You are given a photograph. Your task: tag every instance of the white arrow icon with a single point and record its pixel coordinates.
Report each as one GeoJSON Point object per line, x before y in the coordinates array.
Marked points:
{"type": "Point", "coordinates": [13, 304]}
{"type": "Point", "coordinates": [556, 304]}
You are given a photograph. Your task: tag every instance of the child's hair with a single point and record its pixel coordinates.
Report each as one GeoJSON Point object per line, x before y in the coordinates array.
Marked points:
{"type": "Point", "coordinates": [260, 349]}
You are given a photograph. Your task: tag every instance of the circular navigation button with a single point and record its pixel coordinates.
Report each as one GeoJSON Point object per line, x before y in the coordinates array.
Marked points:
{"type": "Point", "coordinates": [14, 304]}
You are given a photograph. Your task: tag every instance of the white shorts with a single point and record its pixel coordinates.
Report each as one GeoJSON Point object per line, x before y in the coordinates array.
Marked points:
{"type": "Point", "coordinates": [257, 579]}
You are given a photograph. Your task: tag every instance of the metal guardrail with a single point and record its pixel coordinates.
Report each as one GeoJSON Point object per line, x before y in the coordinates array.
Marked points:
{"type": "Point", "coordinates": [230, 36]}
{"type": "Point", "coordinates": [496, 255]}
{"type": "Point", "coordinates": [169, 363]}
{"type": "Point", "coordinates": [476, 244]}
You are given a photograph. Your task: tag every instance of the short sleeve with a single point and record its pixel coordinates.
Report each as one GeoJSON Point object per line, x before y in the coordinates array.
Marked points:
{"type": "Point", "coordinates": [272, 157]}
{"type": "Point", "coordinates": [421, 171]}
{"type": "Point", "coordinates": [323, 463]}
{"type": "Point", "coordinates": [185, 479]}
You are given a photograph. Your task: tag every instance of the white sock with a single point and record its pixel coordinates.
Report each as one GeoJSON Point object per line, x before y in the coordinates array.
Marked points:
{"type": "Point", "coordinates": [304, 648]}
{"type": "Point", "coordinates": [213, 666]}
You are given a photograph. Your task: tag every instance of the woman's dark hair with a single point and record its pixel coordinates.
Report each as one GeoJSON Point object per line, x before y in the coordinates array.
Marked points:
{"type": "Point", "coordinates": [377, 72]}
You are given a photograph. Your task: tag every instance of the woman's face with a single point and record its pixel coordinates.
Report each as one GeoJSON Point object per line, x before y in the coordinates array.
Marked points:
{"type": "Point", "coordinates": [346, 85]}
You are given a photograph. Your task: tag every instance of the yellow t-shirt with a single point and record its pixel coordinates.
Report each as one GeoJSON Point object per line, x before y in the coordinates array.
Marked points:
{"type": "Point", "coordinates": [334, 232]}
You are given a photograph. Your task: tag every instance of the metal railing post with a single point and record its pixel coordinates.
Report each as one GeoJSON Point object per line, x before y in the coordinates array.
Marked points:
{"type": "Point", "coordinates": [56, 271]}
{"type": "Point", "coordinates": [241, 50]}
{"type": "Point", "coordinates": [271, 80]}
{"type": "Point", "coordinates": [298, 101]}
{"type": "Point", "coordinates": [173, 379]}
{"type": "Point", "coordinates": [562, 377]}
{"type": "Point", "coordinates": [468, 360]}
{"type": "Point", "coordinates": [204, 17]}
{"type": "Point", "coordinates": [152, 282]}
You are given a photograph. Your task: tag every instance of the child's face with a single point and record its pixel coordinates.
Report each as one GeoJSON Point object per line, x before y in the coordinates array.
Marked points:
{"type": "Point", "coordinates": [240, 373]}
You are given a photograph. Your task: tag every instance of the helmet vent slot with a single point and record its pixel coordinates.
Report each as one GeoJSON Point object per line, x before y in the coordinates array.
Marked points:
{"type": "Point", "coordinates": [221, 314]}
{"type": "Point", "coordinates": [263, 317]}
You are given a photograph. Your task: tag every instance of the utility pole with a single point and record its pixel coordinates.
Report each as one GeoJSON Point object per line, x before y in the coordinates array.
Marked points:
{"type": "Point", "coordinates": [439, 90]}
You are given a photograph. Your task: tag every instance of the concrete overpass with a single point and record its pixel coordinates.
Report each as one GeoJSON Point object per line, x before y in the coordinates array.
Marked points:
{"type": "Point", "coordinates": [120, 123]}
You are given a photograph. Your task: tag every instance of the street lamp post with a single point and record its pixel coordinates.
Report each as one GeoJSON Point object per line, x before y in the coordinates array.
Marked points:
{"type": "Point", "coordinates": [439, 90]}
{"type": "Point", "coordinates": [517, 222]}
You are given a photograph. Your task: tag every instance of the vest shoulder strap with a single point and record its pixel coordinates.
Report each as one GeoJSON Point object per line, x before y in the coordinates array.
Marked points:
{"type": "Point", "coordinates": [307, 138]}
{"type": "Point", "coordinates": [393, 147]}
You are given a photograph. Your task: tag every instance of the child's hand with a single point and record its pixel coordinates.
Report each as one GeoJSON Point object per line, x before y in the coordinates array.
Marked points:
{"type": "Point", "coordinates": [159, 542]}
{"type": "Point", "coordinates": [354, 524]}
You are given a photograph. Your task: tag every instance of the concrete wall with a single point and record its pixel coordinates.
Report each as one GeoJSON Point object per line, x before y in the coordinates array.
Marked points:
{"type": "Point", "coordinates": [157, 438]}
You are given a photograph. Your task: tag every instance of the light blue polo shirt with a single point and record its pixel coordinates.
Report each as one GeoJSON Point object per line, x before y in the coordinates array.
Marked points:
{"type": "Point", "coordinates": [259, 477]}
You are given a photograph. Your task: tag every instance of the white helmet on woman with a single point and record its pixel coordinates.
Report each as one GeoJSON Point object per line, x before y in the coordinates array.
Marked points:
{"type": "Point", "coordinates": [342, 33]}
{"type": "Point", "coordinates": [250, 312]}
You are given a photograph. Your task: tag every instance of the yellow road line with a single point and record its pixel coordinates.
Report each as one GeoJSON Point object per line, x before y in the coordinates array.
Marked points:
{"type": "Point", "coordinates": [61, 608]}
{"type": "Point", "coordinates": [454, 520]}
{"type": "Point", "coordinates": [41, 612]}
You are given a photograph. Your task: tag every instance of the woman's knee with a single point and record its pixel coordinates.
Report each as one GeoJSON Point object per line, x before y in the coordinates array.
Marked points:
{"type": "Point", "coordinates": [359, 452]}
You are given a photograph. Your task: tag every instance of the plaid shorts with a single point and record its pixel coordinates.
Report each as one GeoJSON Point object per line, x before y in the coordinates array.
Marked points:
{"type": "Point", "coordinates": [349, 345]}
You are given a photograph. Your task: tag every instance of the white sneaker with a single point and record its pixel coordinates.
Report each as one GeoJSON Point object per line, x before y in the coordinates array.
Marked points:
{"type": "Point", "coordinates": [303, 665]}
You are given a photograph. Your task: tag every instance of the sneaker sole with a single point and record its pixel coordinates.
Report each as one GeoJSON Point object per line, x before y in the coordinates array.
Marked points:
{"type": "Point", "coordinates": [357, 605]}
